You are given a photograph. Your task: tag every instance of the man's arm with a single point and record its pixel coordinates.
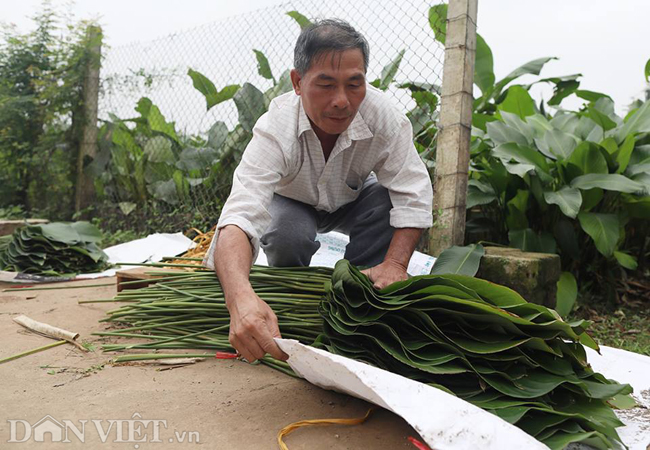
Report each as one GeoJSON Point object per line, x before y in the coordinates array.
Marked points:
{"type": "Point", "coordinates": [396, 261]}
{"type": "Point", "coordinates": [253, 324]}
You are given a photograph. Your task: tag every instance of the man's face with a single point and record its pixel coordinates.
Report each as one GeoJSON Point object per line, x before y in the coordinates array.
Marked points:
{"type": "Point", "coordinates": [332, 90]}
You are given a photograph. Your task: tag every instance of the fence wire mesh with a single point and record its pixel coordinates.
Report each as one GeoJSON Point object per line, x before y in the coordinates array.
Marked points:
{"type": "Point", "coordinates": [172, 153]}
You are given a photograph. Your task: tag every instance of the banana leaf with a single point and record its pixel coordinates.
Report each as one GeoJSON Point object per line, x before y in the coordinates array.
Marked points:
{"type": "Point", "coordinates": [482, 342]}
{"type": "Point", "coordinates": [55, 249]}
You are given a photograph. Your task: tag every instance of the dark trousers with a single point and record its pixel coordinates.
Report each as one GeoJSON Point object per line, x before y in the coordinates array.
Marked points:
{"type": "Point", "coordinates": [290, 239]}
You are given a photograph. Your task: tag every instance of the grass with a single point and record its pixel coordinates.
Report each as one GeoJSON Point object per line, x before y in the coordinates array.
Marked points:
{"type": "Point", "coordinates": [626, 326]}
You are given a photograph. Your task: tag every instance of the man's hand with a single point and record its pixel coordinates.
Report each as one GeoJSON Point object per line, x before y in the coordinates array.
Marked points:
{"type": "Point", "coordinates": [253, 325]}
{"type": "Point", "coordinates": [393, 268]}
{"type": "Point", "coordinates": [388, 272]}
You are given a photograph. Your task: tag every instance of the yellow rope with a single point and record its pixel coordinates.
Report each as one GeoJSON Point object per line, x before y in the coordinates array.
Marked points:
{"type": "Point", "coordinates": [306, 423]}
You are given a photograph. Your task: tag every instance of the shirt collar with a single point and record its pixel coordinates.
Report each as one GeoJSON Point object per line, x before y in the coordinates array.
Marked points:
{"type": "Point", "coordinates": [357, 130]}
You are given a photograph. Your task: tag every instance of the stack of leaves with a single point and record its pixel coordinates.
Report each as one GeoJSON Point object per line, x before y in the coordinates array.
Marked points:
{"type": "Point", "coordinates": [55, 249]}
{"type": "Point", "coordinates": [483, 343]}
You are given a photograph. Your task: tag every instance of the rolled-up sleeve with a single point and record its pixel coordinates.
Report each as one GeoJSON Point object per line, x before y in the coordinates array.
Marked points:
{"type": "Point", "coordinates": [405, 176]}
{"type": "Point", "coordinates": [262, 166]}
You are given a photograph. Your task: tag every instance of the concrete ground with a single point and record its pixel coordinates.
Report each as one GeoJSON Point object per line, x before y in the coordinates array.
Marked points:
{"type": "Point", "coordinates": [222, 404]}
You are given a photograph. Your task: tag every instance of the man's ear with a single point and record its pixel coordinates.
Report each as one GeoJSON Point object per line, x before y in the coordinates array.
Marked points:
{"type": "Point", "coordinates": [295, 80]}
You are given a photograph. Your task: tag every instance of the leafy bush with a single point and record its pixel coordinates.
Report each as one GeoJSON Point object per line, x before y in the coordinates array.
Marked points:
{"type": "Point", "coordinates": [546, 179]}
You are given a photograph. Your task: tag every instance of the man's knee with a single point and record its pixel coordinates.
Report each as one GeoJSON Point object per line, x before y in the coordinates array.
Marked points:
{"type": "Point", "coordinates": [289, 244]}
{"type": "Point", "coordinates": [290, 240]}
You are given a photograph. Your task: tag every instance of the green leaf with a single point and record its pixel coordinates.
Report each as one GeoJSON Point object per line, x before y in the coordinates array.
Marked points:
{"type": "Point", "coordinates": [625, 153]}
{"type": "Point", "coordinates": [438, 22]}
{"type": "Point", "coordinates": [157, 122]}
{"type": "Point", "coordinates": [197, 159]}
{"type": "Point", "coordinates": [590, 96]}
{"type": "Point", "coordinates": [500, 133]}
{"type": "Point", "coordinates": [518, 101]}
{"type": "Point", "coordinates": [159, 149]}
{"type": "Point", "coordinates": [610, 145]}
{"type": "Point", "coordinates": [459, 260]}
{"type": "Point", "coordinates": [610, 182]}
{"type": "Point", "coordinates": [586, 158]}
{"type": "Point", "coordinates": [626, 260]}
{"type": "Point", "coordinates": [483, 65]}
{"type": "Point", "coordinates": [514, 121]}
{"type": "Point", "coordinates": [479, 194]}
{"type": "Point", "coordinates": [250, 105]}
{"type": "Point", "coordinates": [521, 154]}
{"type": "Point", "coordinates": [182, 185]}
{"type": "Point", "coordinates": [559, 143]}
{"type": "Point", "coordinates": [533, 67]}
{"type": "Point", "coordinates": [300, 19]}
{"type": "Point", "coordinates": [209, 91]}
{"type": "Point", "coordinates": [127, 207]}
{"type": "Point", "coordinates": [601, 119]}
{"type": "Point", "coordinates": [637, 122]}
{"type": "Point", "coordinates": [568, 199]}
{"type": "Point", "coordinates": [263, 67]}
{"type": "Point", "coordinates": [144, 104]}
{"type": "Point", "coordinates": [517, 207]}
{"type": "Point", "coordinates": [567, 293]}
{"type": "Point", "coordinates": [217, 135]}
{"type": "Point", "coordinates": [603, 229]}
{"type": "Point", "coordinates": [647, 71]}
{"type": "Point", "coordinates": [389, 71]}
{"type": "Point", "coordinates": [564, 86]}
{"type": "Point", "coordinates": [165, 191]}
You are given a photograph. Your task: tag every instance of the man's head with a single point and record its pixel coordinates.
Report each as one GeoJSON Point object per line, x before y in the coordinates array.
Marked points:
{"type": "Point", "coordinates": [331, 60]}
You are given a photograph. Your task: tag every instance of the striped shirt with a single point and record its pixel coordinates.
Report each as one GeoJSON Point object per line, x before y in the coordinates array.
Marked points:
{"type": "Point", "coordinates": [286, 157]}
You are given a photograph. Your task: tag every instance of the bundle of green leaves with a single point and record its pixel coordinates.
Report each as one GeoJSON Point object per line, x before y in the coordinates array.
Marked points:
{"type": "Point", "coordinates": [55, 249]}
{"type": "Point", "coordinates": [482, 342]}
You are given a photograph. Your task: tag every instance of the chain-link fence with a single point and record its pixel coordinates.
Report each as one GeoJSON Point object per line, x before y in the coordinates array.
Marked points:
{"type": "Point", "coordinates": [171, 151]}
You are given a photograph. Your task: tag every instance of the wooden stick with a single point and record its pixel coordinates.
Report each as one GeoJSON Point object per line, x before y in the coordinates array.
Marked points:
{"type": "Point", "coordinates": [49, 330]}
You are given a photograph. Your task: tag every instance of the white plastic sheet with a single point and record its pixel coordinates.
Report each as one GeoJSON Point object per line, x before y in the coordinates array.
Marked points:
{"type": "Point", "coordinates": [332, 249]}
{"type": "Point", "coordinates": [446, 422]}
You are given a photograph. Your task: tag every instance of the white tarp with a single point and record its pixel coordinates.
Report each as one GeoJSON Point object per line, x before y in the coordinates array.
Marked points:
{"type": "Point", "coordinates": [332, 249]}
{"type": "Point", "coordinates": [446, 422]}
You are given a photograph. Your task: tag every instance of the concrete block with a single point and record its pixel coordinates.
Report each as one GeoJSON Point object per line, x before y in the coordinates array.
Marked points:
{"type": "Point", "coordinates": [533, 275]}
{"type": "Point", "coordinates": [9, 226]}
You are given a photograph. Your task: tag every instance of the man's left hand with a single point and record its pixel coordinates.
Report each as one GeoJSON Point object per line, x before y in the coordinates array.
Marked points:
{"type": "Point", "coordinates": [388, 272]}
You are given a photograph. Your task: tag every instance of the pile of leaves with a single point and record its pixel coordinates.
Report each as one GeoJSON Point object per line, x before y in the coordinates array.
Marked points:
{"type": "Point", "coordinates": [55, 249]}
{"type": "Point", "coordinates": [482, 342]}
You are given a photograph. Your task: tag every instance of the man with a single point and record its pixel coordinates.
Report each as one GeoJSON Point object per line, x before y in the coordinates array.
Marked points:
{"type": "Point", "coordinates": [334, 154]}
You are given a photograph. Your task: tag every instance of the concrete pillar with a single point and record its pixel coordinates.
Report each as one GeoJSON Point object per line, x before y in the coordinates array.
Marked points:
{"type": "Point", "coordinates": [455, 125]}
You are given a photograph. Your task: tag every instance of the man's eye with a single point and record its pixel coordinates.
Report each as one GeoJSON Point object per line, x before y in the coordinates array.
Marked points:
{"type": "Point", "coordinates": [325, 85]}
{"type": "Point", "coordinates": [354, 85]}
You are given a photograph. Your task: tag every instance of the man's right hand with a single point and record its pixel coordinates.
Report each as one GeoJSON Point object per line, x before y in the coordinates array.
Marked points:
{"type": "Point", "coordinates": [253, 325]}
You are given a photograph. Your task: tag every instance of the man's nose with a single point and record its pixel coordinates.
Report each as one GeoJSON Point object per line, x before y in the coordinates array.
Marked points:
{"type": "Point", "coordinates": [340, 100]}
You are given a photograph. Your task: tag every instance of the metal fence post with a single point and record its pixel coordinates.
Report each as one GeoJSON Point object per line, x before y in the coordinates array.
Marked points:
{"type": "Point", "coordinates": [85, 189]}
{"type": "Point", "coordinates": [452, 156]}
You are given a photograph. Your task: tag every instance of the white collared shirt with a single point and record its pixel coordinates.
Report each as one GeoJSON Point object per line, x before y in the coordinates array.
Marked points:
{"type": "Point", "coordinates": [286, 157]}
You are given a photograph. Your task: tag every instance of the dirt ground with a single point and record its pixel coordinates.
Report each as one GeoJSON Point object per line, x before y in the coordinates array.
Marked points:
{"type": "Point", "coordinates": [227, 404]}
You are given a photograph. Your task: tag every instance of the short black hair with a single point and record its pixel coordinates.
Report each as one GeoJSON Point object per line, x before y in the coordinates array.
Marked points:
{"type": "Point", "coordinates": [324, 36]}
